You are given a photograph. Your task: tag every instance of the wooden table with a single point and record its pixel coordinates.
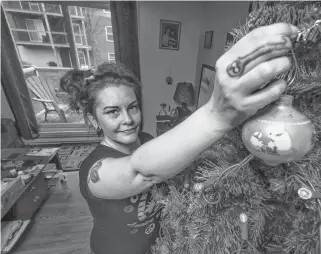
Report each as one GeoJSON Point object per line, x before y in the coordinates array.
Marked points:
{"type": "Point", "coordinates": [21, 205]}
{"type": "Point", "coordinates": [20, 154]}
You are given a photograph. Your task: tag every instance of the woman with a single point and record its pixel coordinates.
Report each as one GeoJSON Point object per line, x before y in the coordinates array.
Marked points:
{"type": "Point", "coordinates": [117, 178]}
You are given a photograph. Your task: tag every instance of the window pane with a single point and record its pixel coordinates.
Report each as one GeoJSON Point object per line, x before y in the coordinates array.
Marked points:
{"type": "Point", "coordinates": [82, 59]}
{"type": "Point", "coordinates": [110, 37]}
{"type": "Point", "coordinates": [25, 5]}
{"type": "Point", "coordinates": [52, 8]}
{"type": "Point", "coordinates": [109, 29]}
{"type": "Point", "coordinates": [76, 28]}
{"type": "Point", "coordinates": [33, 35]}
{"type": "Point", "coordinates": [72, 10]}
{"type": "Point", "coordinates": [78, 39]}
{"type": "Point", "coordinates": [34, 6]}
{"type": "Point", "coordinates": [52, 54]}
{"type": "Point", "coordinates": [11, 5]}
{"type": "Point", "coordinates": [30, 24]}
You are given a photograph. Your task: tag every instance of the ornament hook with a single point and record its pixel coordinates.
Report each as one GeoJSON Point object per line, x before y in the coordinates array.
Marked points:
{"type": "Point", "coordinates": [306, 194]}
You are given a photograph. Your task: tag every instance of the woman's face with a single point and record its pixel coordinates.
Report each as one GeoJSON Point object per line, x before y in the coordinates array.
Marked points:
{"type": "Point", "coordinates": [118, 114]}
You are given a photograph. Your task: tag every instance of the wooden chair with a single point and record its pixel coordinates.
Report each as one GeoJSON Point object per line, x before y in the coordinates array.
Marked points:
{"type": "Point", "coordinates": [44, 93]}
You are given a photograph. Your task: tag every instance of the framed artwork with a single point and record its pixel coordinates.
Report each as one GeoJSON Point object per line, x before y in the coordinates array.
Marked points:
{"type": "Point", "coordinates": [206, 85]}
{"type": "Point", "coordinates": [208, 39]}
{"type": "Point", "coordinates": [169, 34]}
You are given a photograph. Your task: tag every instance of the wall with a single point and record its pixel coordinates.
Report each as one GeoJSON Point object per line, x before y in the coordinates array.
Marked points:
{"type": "Point", "coordinates": [156, 64]}
{"type": "Point", "coordinates": [220, 17]}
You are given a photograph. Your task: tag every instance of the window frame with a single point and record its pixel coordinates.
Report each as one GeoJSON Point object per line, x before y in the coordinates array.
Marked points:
{"type": "Point", "coordinates": [76, 34]}
{"type": "Point", "coordinates": [106, 30]}
{"type": "Point", "coordinates": [72, 6]}
{"type": "Point", "coordinates": [35, 30]}
{"type": "Point", "coordinates": [82, 66]}
{"type": "Point", "coordinates": [34, 3]}
{"type": "Point", "coordinates": [111, 58]}
{"type": "Point", "coordinates": [56, 132]}
{"type": "Point", "coordinates": [76, 8]}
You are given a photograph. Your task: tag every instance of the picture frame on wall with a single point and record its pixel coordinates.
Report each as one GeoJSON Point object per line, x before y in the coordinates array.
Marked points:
{"type": "Point", "coordinates": [169, 34]}
{"type": "Point", "coordinates": [208, 39]}
{"type": "Point", "coordinates": [206, 85]}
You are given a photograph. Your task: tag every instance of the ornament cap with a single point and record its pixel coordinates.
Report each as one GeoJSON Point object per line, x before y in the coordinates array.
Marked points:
{"type": "Point", "coordinates": [285, 100]}
{"type": "Point", "coordinates": [243, 217]}
{"type": "Point", "coordinates": [305, 193]}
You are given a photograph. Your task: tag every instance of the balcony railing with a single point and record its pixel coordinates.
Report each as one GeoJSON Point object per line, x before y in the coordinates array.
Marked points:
{"type": "Point", "coordinates": [59, 38]}
{"type": "Point", "coordinates": [34, 7]}
{"type": "Point", "coordinates": [22, 6]}
{"type": "Point", "coordinates": [53, 8]}
{"type": "Point", "coordinates": [38, 37]}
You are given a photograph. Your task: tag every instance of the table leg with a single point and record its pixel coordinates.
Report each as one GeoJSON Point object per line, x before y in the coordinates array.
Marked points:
{"type": "Point", "coordinates": [56, 160]}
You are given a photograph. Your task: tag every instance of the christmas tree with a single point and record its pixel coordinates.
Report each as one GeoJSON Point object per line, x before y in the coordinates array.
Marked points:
{"type": "Point", "coordinates": [230, 201]}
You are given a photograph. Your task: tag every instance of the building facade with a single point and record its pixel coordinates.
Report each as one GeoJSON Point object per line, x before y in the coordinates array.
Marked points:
{"type": "Point", "coordinates": [41, 38]}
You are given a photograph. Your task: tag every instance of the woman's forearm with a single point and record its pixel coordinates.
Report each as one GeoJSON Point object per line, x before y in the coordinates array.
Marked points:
{"type": "Point", "coordinates": [172, 152]}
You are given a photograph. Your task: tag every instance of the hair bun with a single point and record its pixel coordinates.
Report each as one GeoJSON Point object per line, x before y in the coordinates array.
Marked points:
{"type": "Point", "coordinates": [73, 83]}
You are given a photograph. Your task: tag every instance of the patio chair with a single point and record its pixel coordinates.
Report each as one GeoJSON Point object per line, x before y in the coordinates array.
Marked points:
{"type": "Point", "coordinates": [43, 93]}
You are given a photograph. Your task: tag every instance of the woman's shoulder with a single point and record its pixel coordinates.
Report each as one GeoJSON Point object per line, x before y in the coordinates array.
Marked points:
{"type": "Point", "coordinates": [145, 137]}
{"type": "Point", "coordinates": [100, 152]}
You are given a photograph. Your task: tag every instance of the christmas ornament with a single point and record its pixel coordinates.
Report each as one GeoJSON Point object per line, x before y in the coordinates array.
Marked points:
{"type": "Point", "coordinates": [279, 133]}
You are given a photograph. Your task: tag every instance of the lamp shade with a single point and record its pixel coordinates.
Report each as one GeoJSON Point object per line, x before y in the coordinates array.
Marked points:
{"type": "Point", "coordinates": [184, 93]}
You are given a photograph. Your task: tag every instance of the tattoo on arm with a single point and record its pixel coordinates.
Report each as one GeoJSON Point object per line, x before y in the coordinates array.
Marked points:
{"type": "Point", "coordinates": [236, 69]}
{"type": "Point", "coordinates": [94, 172]}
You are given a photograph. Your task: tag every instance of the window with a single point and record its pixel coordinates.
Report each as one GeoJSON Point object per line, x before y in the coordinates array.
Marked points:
{"type": "Point", "coordinates": [111, 57]}
{"type": "Point", "coordinates": [34, 6]}
{"type": "Point", "coordinates": [109, 34]}
{"type": "Point", "coordinates": [77, 33]}
{"type": "Point", "coordinates": [83, 11]}
{"type": "Point", "coordinates": [33, 47]}
{"type": "Point", "coordinates": [37, 29]}
{"type": "Point", "coordinates": [53, 8]}
{"type": "Point", "coordinates": [82, 59]}
{"type": "Point", "coordinates": [76, 11]}
{"type": "Point", "coordinates": [106, 13]}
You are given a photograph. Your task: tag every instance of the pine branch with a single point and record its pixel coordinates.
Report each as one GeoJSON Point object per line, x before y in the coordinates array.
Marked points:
{"type": "Point", "coordinates": [279, 220]}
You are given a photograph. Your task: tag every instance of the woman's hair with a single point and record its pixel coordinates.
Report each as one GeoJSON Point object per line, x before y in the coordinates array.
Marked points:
{"type": "Point", "coordinates": [83, 86]}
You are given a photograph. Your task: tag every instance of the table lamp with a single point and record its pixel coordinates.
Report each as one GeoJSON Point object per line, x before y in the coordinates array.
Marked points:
{"type": "Point", "coordinates": [184, 96]}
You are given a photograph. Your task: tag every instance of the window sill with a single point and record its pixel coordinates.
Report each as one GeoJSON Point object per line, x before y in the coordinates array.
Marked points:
{"type": "Point", "coordinates": [64, 133]}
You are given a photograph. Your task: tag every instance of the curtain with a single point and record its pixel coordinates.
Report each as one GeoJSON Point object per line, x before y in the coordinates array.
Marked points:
{"type": "Point", "coordinates": [124, 23]}
{"type": "Point", "coordinates": [14, 85]}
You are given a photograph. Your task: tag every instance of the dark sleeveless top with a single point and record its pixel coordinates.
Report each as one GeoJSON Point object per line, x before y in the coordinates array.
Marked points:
{"type": "Point", "coordinates": [123, 226]}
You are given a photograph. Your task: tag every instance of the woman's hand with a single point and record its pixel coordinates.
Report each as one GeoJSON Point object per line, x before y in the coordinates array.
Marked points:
{"type": "Point", "coordinates": [256, 59]}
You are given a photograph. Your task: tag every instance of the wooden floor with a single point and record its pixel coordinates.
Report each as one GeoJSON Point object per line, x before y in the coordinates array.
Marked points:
{"type": "Point", "coordinates": [62, 225]}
